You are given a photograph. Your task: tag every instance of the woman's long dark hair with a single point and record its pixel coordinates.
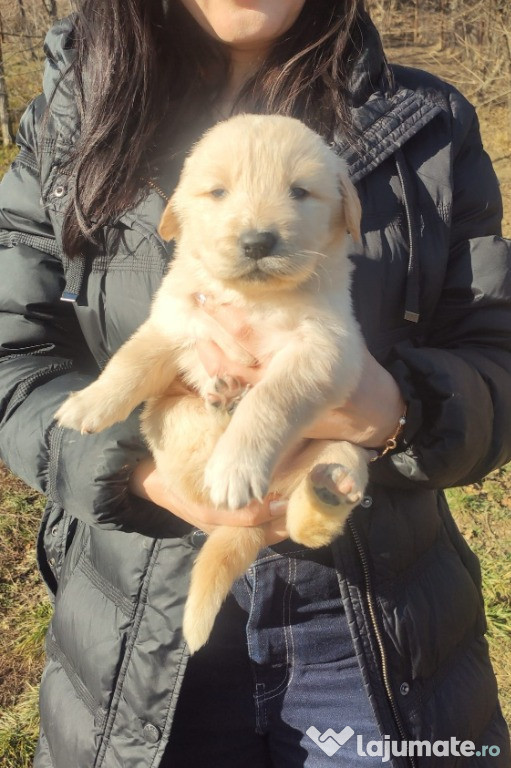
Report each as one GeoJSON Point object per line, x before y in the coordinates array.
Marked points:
{"type": "Point", "coordinates": [144, 64]}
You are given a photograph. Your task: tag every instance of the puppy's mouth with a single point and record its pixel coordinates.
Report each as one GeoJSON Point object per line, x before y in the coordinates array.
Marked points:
{"type": "Point", "coordinates": [255, 274]}
{"type": "Point", "coordinates": [266, 258]}
{"type": "Point", "coordinates": [270, 267]}
{"type": "Point", "coordinates": [264, 255]}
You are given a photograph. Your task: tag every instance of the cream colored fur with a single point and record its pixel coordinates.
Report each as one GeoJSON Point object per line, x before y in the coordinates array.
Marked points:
{"type": "Point", "coordinates": [298, 298]}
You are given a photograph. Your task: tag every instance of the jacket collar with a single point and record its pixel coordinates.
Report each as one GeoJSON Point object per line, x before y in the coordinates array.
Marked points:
{"type": "Point", "coordinates": [382, 126]}
{"type": "Point", "coordinates": [384, 114]}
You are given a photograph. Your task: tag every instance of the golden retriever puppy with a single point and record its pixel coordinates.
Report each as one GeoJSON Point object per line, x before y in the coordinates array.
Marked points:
{"type": "Point", "coordinates": [260, 217]}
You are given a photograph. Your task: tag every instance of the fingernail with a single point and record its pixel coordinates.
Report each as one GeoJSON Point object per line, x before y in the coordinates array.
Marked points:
{"type": "Point", "coordinates": [277, 507]}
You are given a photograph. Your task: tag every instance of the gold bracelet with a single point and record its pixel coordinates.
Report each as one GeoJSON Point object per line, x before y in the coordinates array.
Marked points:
{"type": "Point", "coordinates": [391, 442]}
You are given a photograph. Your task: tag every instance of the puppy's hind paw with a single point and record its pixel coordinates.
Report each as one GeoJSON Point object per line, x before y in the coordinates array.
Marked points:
{"type": "Point", "coordinates": [225, 394]}
{"type": "Point", "coordinates": [335, 485]}
{"type": "Point", "coordinates": [318, 509]}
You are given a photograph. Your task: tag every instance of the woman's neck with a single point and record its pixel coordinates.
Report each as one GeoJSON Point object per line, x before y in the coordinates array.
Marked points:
{"type": "Point", "coordinates": [244, 64]}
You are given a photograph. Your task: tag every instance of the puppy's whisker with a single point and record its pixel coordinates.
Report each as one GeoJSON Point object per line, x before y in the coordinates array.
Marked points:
{"type": "Point", "coordinates": [322, 267]}
{"type": "Point", "coordinates": [320, 270]}
{"type": "Point", "coordinates": [311, 253]}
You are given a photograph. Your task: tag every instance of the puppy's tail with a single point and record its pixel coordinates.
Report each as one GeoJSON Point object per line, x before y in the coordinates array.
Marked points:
{"type": "Point", "coordinates": [224, 557]}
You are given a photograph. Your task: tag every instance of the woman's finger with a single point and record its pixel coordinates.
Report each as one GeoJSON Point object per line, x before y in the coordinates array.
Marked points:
{"type": "Point", "coordinates": [216, 363]}
{"type": "Point", "coordinates": [232, 319]}
{"type": "Point", "coordinates": [275, 531]}
{"type": "Point", "coordinates": [212, 358]}
{"type": "Point", "coordinates": [255, 513]}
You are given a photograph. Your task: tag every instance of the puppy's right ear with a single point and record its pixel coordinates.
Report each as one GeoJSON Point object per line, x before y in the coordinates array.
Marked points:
{"type": "Point", "coordinates": [352, 209]}
{"type": "Point", "coordinates": [169, 228]}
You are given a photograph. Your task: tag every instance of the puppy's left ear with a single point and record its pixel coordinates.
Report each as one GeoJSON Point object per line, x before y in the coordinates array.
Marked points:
{"type": "Point", "coordinates": [169, 227]}
{"type": "Point", "coordinates": [352, 210]}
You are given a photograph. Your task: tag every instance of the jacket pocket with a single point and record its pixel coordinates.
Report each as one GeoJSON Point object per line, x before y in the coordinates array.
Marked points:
{"type": "Point", "coordinates": [55, 536]}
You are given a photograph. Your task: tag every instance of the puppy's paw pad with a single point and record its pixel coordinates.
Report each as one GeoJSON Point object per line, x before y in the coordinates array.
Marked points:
{"type": "Point", "coordinates": [335, 485]}
{"type": "Point", "coordinates": [225, 394]}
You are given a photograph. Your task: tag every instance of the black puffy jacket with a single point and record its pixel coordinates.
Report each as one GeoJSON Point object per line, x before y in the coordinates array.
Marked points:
{"type": "Point", "coordinates": [432, 291]}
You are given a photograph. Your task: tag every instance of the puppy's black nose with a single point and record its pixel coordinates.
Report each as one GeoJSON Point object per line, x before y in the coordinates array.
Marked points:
{"type": "Point", "coordinates": [256, 244]}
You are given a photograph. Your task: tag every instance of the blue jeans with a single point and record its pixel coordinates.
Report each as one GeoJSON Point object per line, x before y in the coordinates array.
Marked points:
{"type": "Point", "coordinates": [280, 661]}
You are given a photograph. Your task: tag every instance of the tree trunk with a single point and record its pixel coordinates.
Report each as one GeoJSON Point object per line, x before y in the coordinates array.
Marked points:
{"type": "Point", "coordinates": [21, 6]}
{"type": "Point", "coordinates": [4, 99]}
{"type": "Point", "coordinates": [416, 23]}
{"type": "Point", "coordinates": [4, 105]}
{"type": "Point", "coordinates": [26, 27]}
{"type": "Point", "coordinates": [506, 33]}
{"type": "Point", "coordinates": [50, 7]}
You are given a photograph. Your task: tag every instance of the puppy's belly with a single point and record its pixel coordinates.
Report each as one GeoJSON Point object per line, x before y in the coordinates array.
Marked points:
{"type": "Point", "coordinates": [192, 370]}
{"type": "Point", "coordinates": [181, 432]}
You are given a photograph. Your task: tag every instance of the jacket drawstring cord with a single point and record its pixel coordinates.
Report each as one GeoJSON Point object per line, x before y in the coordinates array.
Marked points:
{"type": "Point", "coordinates": [74, 278]}
{"type": "Point", "coordinates": [412, 293]}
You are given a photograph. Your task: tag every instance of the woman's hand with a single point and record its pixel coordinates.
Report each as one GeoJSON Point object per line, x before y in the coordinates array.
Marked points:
{"type": "Point", "coordinates": [368, 418]}
{"type": "Point", "coordinates": [372, 413]}
{"type": "Point", "coordinates": [146, 483]}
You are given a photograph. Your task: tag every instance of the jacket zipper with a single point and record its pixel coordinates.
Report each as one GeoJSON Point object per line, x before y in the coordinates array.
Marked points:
{"type": "Point", "coordinates": [371, 603]}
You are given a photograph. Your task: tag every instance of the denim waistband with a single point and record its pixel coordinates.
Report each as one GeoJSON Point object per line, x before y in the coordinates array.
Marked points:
{"type": "Point", "coordinates": [289, 548]}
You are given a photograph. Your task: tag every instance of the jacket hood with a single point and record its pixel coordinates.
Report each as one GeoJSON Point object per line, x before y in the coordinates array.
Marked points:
{"type": "Point", "coordinates": [370, 73]}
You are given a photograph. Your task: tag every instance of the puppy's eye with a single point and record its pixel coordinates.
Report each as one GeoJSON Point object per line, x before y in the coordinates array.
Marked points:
{"type": "Point", "coordinates": [298, 193]}
{"type": "Point", "coordinates": [218, 193]}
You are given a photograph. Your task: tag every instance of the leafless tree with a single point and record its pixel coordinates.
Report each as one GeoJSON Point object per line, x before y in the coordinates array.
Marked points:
{"type": "Point", "coordinates": [471, 37]}
{"type": "Point", "coordinates": [50, 7]}
{"type": "Point", "coordinates": [24, 26]}
{"type": "Point", "coordinates": [4, 97]}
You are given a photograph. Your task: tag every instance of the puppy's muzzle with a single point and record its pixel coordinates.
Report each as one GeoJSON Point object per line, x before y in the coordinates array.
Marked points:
{"type": "Point", "coordinates": [257, 245]}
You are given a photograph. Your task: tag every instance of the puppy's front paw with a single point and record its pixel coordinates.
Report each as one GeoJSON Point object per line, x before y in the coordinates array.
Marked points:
{"type": "Point", "coordinates": [87, 411]}
{"type": "Point", "coordinates": [234, 477]}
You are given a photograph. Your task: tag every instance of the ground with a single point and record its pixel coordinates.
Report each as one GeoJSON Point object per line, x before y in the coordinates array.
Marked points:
{"type": "Point", "coordinates": [482, 512]}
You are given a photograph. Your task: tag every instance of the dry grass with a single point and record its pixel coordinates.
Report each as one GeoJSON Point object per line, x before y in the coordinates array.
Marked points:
{"type": "Point", "coordinates": [25, 613]}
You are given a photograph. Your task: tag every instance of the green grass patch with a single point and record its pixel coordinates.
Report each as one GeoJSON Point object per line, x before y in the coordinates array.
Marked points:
{"type": "Point", "coordinates": [482, 512]}
{"type": "Point", "coordinates": [25, 613]}
{"type": "Point", "coordinates": [19, 726]}
{"type": "Point", "coordinates": [7, 155]}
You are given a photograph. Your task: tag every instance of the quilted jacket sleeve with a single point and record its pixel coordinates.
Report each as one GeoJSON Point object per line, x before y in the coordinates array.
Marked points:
{"type": "Point", "coordinates": [459, 384]}
{"type": "Point", "coordinates": [43, 356]}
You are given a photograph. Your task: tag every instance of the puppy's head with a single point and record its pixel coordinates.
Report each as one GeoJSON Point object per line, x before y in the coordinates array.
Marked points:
{"type": "Point", "coordinates": [261, 200]}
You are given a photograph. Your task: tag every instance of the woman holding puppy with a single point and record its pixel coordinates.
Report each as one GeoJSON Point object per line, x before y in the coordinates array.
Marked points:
{"type": "Point", "coordinates": [378, 639]}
